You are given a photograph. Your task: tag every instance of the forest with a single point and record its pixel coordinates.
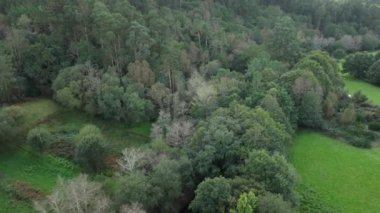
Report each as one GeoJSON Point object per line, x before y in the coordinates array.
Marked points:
{"type": "Point", "coordinates": [238, 106]}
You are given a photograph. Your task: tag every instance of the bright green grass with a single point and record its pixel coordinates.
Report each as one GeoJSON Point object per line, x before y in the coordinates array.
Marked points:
{"type": "Point", "coordinates": [345, 177]}
{"type": "Point", "coordinates": [370, 90]}
{"type": "Point", "coordinates": [8, 205]}
{"type": "Point", "coordinates": [40, 172]}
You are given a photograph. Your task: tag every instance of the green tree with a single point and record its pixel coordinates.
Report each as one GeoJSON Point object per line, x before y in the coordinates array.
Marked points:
{"type": "Point", "coordinates": [90, 150]}
{"type": "Point", "coordinates": [135, 188]}
{"type": "Point", "coordinates": [212, 195]}
{"type": "Point", "coordinates": [246, 204]}
{"type": "Point", "coordinates": [373, 73]}
{"type": "Point", "coordinates": [310, 111]}
{"type": "Point", "coordinates": [10, 125]}
{"type": "Point", "coordinates": [284, 44]}
{"type": "Point", "coordinates": [273, 171]}
{"type": "Point", "coordinates": [272, 203]}
{"type": "Point", "coordinates": [358, 64]}
{"type": "Point", "coordinates": [39, 139]}
{"type": "Point", "coordinates": [349, 115]}
{"type": "Point", "coordinates": [167, 184]}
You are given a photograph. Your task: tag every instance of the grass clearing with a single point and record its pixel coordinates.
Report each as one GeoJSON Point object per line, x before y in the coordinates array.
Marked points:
{"type": "Point", "coordinates": [370, 90]}
{"type": "Point", "coordinates": [344, 177]}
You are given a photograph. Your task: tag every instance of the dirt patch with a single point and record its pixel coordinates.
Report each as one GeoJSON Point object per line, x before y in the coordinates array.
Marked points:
{"type": "Point", "coordinates": [23, 191]}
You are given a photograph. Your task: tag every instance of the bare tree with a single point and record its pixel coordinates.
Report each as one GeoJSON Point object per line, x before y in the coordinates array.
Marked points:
{"type": "Point", "coordinates": [179, 132]}
{"type": "Point", "coordinates": [132, 208]}
{"type": "Point", "coordinates": [202, 92]}
{"type": "Point", "coordinates": [130, 159]}
{"type": "Point", "coordinates": [77, 196]}
{"type": "Point", "coordinates": [159, 128]}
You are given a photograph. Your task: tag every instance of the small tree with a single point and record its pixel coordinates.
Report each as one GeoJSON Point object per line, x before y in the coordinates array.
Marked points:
{"type": "Point", "coordinates": [90, 151]}
{"type": "Point", "coordinates": [246, 203]}
{"type": "Point", "coordinates": [39, 138]}
{"type": "Point", "coordinates": [130, 159]}
{"type": "Point", "coordinates": [273, 171]}
{"type": "Point", "coordinates": [348, 116]}
{"type": "Point", "coordinates": [273, 203]}
{"type": "Point", "coordinates": [374, 73]}
{"type": "Point", "coordinates": [212, 195]}
{"type": "Point", "coordinates": [357, 64]}
{"type": "Point", "coordinates": [77, 196]}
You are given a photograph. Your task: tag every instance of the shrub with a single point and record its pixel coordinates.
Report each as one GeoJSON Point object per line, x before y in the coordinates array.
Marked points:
{"type": "Point", "coordinates": [339, 53]}
{"type": "Point", "coordinates": [90, 150]}
{"type": "Point", "coordinates": [39, 139]}
{"type": "Point", "coordinates": [358, 64]}
{"type": "Point", "coordinates": [272, 203]}
{"type": "Point", "coordinates": [375, 126]}
{"type": "Point", "coordinates": [373, 73]}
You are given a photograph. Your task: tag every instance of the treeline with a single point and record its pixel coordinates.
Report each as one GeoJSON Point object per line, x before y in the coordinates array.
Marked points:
{"type": "Point", "coordinates": [227, 84]}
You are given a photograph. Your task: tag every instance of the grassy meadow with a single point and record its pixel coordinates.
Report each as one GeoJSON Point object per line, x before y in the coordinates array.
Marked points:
{"type": "Point", "coordinates": [344, 177]}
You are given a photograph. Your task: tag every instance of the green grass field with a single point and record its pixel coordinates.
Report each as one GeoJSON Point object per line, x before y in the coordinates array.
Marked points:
{"type": "Point", "coordinates": [344, 177]}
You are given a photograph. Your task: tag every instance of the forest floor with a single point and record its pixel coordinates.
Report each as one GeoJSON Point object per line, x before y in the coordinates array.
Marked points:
{"type": "Point", "coordinates": [25, 175]}
{"type": "Point", "coordinates": [344, 177]}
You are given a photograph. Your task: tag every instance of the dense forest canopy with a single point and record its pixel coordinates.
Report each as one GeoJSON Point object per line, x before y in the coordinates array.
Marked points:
{"type": "Point", "coordinates": [225, 83]}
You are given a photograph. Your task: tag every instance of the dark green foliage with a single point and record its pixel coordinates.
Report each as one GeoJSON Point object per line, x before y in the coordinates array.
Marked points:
{"type": "Point", "coordinates": [310, 110]}
{"type": "Point", "coordinates": [90, 150]}
{"type": "Point", "coordinates": [273, 203]}
{"type": "Point", "coordinates": [212, 195]}
{"type": "Point", "coordinates": [10, 123]}
{"type": "Point", "coordinates": [284, 44]}
{"type": "Point", "coordinates": [167, 185]}
{"type": "Point", "coordinates": [273, 171]}
{"type": "Point", "coordinates": [375, 126]}
{"type": "Point", "coordinates": [339, 53]}
{"type": "Point", "coordinates": [39, 139]}
{"type": "Point", "coordinates": [358, 64]}
{"type": "Point", "coordinates": [135, 188]}
{"type": "Point", "coordinates": [84, 87]}
{"type": "Point", "coordinates": [359, 97]}
{"type": "Point", "coordinates": [373, 73]}
{"type": "Point", "coordinates": [221, 143]}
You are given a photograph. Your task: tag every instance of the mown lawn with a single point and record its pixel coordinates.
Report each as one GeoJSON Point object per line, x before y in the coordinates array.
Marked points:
{"type": "Point", "coordinates": [344, 177]}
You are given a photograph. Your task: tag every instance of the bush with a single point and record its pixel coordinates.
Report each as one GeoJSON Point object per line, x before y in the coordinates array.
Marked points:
{"type": "Point", "coordinates": [375, 126]}
{"type": "Point", "coordinates": [10, 122]}
{"type": "Point", "coordinates": [272, 203]}
{"type": "Point", "coordinates": [358, 64]}
{"type": "Point", "coordinates": [90, 150]}
{"type": "Point", "coordinates": [39, 139]}
{"type": "Point", "coordinates": [359, 97]}
{"type": "Point", "coordinates": [373, 73]}
{"type": "Point", "coordinates": [339, 53]}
